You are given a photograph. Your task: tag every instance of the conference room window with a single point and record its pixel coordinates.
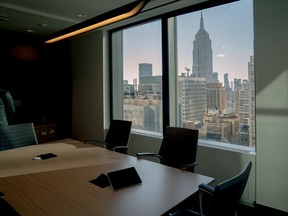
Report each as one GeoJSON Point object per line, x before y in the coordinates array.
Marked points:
{"type": "Point", "coordinates": [210, 74]}
{"type": "Point", "coordinates": [215, 72]}
{"type": "Point", "coordinates": [137, 76]}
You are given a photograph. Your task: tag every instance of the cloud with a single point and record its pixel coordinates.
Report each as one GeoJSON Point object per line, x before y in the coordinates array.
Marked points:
{"type": "Point", "coordinates": [226, 47]}
{"type": "Point", "coordinates": [221, 55]}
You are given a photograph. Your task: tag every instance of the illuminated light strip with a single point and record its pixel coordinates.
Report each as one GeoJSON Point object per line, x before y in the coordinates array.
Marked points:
{"type": "Point", "coordinates": [120, 17]}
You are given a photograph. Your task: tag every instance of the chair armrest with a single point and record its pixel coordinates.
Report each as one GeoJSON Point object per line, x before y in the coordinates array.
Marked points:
{"type": "Point", "coordinates": [186, 211]}
{"type": "Point", "coordinates": [143, 154]}
{"type": "Point", "coordinates": [206, 189]}
{"type": "Point", "coordinates": [149, 154]}
{"type": "Point", "coordinates": [95, 142]}
{"type": "Point", "coordinates": [189, 167]}
{"type": "Point", "coordinates": [120, 147]}
{"type": "Point", "coordinates": [104, 143]}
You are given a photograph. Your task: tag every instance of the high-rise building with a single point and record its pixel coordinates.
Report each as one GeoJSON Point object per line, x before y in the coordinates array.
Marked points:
{"type": "Point", "coordinates": [216, 96]}
{"type": "Point", "coordinates": [215, 77]}
{"type": "Point", "coordinates": [191, 100]}
{"type": "Point", "coordinates": [202, 54]}
{"type": "Point", "coordinates": [243, 102]}
{"type": "Point", "coordinates": [237, 84]}
{"type": "Point", "coordinates": [229, 92]}
{"type": "Point", "coordinates": [149, 84]}
{"type": "Point", "coordinates": [226, 81]}
{"type": "Point", "coordinates": [145, 69]}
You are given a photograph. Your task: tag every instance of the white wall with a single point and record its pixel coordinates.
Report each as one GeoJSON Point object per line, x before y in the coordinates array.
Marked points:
{"type": "Point", "coordinates": [271, 67]}
{"type": "Point", "coordinates": [268, 179]}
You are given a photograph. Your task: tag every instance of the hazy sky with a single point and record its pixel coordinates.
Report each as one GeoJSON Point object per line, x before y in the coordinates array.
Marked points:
{"type": "Point", "coordinates": [230, 28]}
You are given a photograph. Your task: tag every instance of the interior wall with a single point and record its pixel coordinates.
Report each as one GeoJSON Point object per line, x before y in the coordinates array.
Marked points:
{"type": "Point", "coordinates": [87, 84]}
{"type": "Point", "coordinates": [271, 68]}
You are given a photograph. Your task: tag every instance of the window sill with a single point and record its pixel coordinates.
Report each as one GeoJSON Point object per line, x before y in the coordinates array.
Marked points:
{"type": "Point", "coordinates": [204, 143]}
{"type": "Point", "coordinates": [147, 133]}
{"type": "Point", "coordinates": [227, 147]}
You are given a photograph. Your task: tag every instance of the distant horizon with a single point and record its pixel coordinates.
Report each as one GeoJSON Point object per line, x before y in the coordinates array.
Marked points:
{"type": "Point", "coordinates": [230, 28]}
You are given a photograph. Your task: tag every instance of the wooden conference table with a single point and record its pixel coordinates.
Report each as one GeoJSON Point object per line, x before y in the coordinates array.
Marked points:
{"type": "Point", "coordinates": [60, 186]}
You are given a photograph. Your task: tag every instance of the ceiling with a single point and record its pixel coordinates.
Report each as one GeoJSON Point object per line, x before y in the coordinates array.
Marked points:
{"type": "Point", "coordinates": [43, 17]}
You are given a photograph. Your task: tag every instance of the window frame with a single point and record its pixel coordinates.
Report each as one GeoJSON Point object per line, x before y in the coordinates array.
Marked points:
{"type": "Point", "coordinates": [169, 75]}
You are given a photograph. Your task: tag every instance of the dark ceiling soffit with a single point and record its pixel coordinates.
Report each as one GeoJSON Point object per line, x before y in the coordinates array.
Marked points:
{"type": "Point", "coordinates": [199, 6]}
{"type": "Point", "coordinates": [100, 18]}
{"type": "Point", "coordinates": [188, 9]}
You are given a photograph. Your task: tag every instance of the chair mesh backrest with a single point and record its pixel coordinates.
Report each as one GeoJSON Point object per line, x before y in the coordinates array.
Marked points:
{"type": "Point", "coordinates": [118, 133]}
{"type": "Point", "coordinates": [179, 146]}
{"type": "Point", "coordinates": [18, 135]}
{"type": "Point", "coordinates": [228, 194]}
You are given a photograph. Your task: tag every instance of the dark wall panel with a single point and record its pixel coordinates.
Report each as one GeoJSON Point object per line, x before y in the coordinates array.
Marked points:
{"type": "Point", "coordinates": [38, 76]}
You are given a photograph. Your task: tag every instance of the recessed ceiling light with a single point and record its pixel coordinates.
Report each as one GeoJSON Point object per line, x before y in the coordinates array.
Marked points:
{"type": "Point", "coordinates": [4, 18]}
{"type": "Point", "coordinates": [43, 25]}
{"type": "Point", "coordinates": [82, 15]}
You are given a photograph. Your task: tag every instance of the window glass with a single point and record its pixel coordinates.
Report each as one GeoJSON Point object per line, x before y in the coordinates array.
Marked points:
{"type": "Point", "coordinates": [142, 76]}
{"type": "Point", "coordinates": [211, 74]}
{"type": "Point", "coordinates": [216, 73]}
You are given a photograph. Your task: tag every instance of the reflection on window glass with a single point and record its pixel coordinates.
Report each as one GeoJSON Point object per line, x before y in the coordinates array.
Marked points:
{"type": "Point", "coordinates": [216, 73]}
{"type": "Point", "coordinates": [142, 76]}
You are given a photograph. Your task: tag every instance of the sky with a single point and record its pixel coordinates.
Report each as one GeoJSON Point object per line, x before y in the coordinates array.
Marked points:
{"type": "Point", "coordinates": [229, 26]}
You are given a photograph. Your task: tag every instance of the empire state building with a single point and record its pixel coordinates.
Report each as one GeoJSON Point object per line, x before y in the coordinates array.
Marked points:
{"type": "Point", "coordinates": [202, 54]}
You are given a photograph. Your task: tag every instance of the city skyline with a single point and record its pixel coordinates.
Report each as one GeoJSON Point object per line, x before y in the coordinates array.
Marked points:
{"type": "Point", "coordinates": [230, 29]}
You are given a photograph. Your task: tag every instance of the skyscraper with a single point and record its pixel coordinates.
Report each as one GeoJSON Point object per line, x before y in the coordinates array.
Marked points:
{"type": "Point", "coordinates": [215, 77]}
{"type": "Point", "coordinates": [226, 81]}
{"type": "Point", "coordinates": [145, 69]}
{"type": "Point", "coordinates": [149, 84]}
{"type": "Point", "coordinates": [202, 54]}
{"type": "Point", "coordinates": [192, 96]}
{"type": "Point", "coordinates": [229, 92]}
{"type": "Point", "coordinates": [216, 96]}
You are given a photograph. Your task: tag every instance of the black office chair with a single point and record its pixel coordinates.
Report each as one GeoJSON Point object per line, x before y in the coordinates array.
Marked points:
{"type": "Point", "coordinates": [18, 135]}
{"type": "Point", "coordinates": [178, 148]}
{"type": "Point", "coordinates": [223, 199]}
{"type": "Point", "coordinates": [117, 137]}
